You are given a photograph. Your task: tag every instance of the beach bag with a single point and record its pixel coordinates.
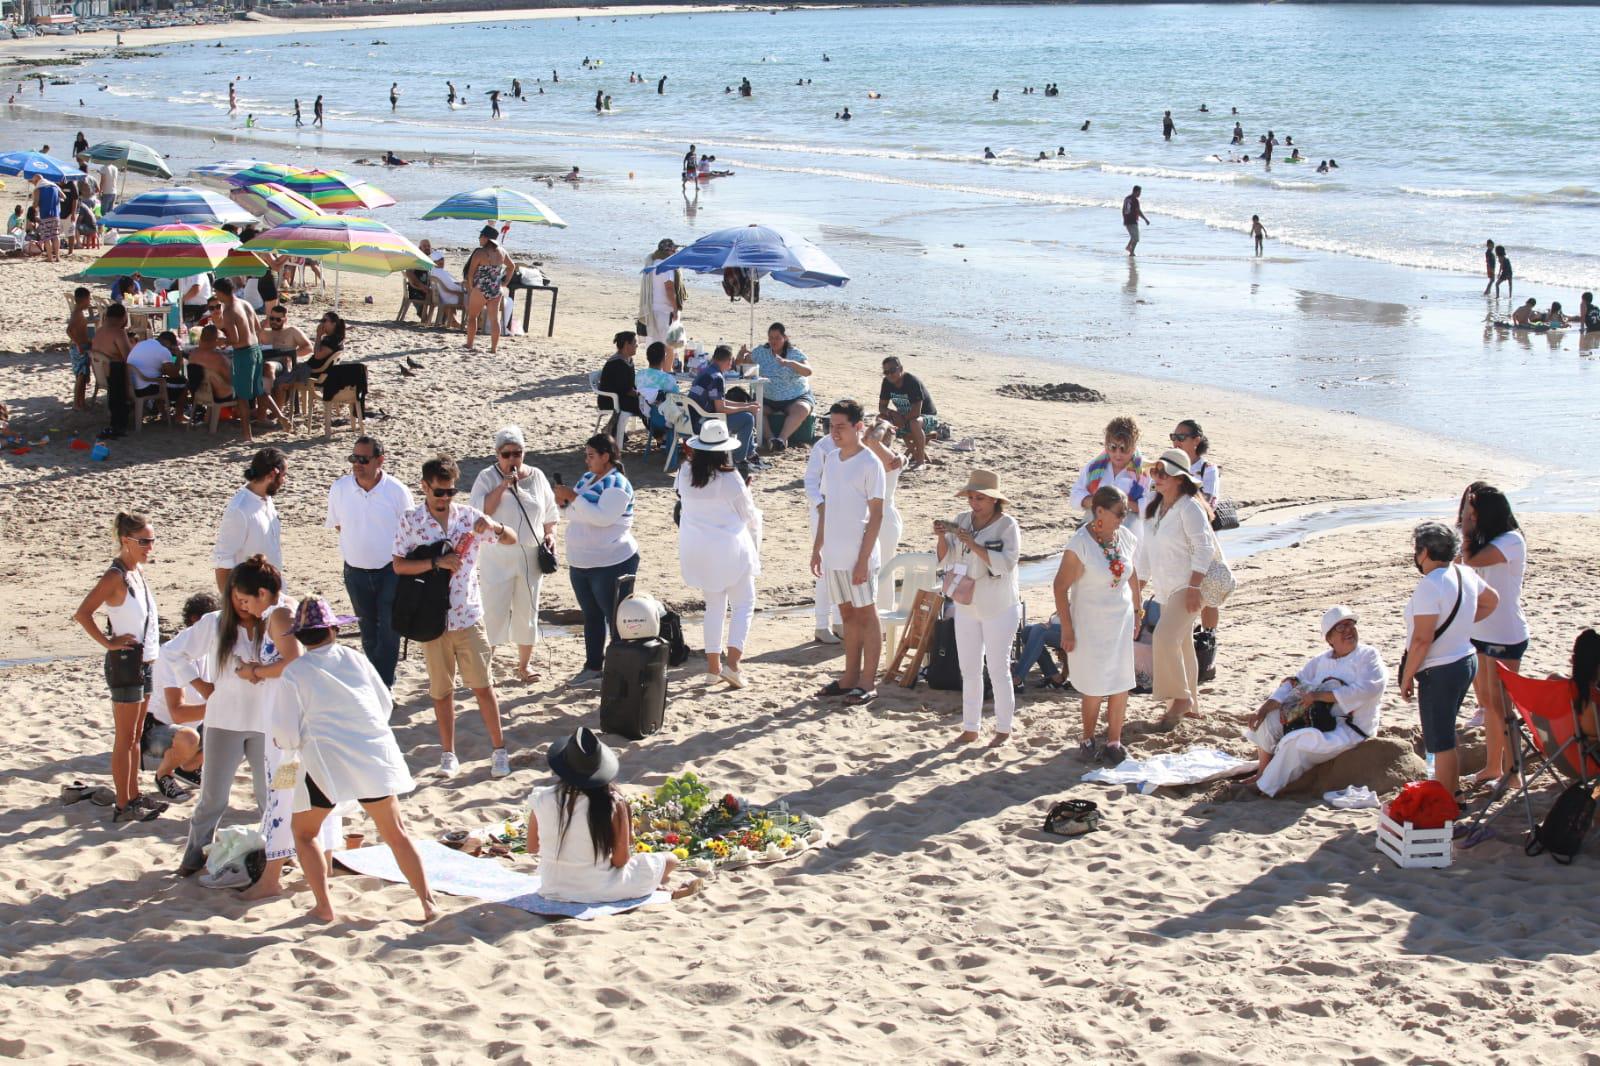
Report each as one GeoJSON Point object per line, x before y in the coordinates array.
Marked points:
{"type": "Point", "coordinates": [672, 633]}
{"type": "Point", "coordinates": [422, 601]}
{"type": "Point", "coordinates": [1451, 617]}
{"type": "Point", "coordinates": [1218, 583]}
{"type": "Point", "coordinates": [944, 665]}
{"type": "Point", "coordinates": [1563, 829]}
{"type": "Point", "coordinates": [1225, 515]}
{"type": "Point", "coordinates": [1205, 653]}
{"type": "Point", "coordinates": [1072, 818]}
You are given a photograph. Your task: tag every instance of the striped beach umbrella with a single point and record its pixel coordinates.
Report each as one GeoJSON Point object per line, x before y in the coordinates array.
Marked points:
{"type": "Point", "coordinates": [181, 203]}
{"type": "Point", "coordinates": [226, 173]}
{"type": "Point", "coordinates": [131, 156]}
{"type": "Point", "coordinates": [241, 264]}
{"type": "Point", "coordinates": [273, 203]}
{"type": "Point", "coordinates": [496, 204]}
{"type": "Point", "coordinates": [176, 250]}
{"type": "Point", "coordinates": [344, 244]}
{"type": "Point", "coordinates": [27, 164]}
{"type": "Point", "coordinates": [332, 190]}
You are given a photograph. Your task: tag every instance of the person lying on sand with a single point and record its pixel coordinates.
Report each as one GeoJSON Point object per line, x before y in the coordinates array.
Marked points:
{"type": "Point", "coordinates": [1329, 707]}
{"type": "Point", "coordinates": [1524, 316]}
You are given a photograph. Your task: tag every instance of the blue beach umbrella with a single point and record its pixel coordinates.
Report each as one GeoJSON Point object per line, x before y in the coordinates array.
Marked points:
{"type": "Point", "coordinates": [200, 207]}
{"type": "Point", "coordinates": [758, 250]}
{"type": "Point", "coordinates": [495, 204]}
{"type": "Point", "coordinates": [27, 164]}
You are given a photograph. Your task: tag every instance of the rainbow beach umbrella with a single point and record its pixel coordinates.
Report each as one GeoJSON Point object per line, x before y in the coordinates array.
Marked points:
{"type": "Point", "coordinates": [177, 250]}
{"type": "Point", "coordinates": [231, 173]}
{"type": "Point", "coordinates": [334, 191]}
{"type": "Point", "coordinates": [180, 203]}
{"type": "Point", "coordinates": [273, 203]}
{"type": "Point", "coordinates": [344, 244]}
{"type": "Point", "coordinates": [496, 204]}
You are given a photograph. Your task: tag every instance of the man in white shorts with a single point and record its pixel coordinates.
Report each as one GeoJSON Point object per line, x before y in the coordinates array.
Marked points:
{"type": "Point", "coordinates": [846, 549]}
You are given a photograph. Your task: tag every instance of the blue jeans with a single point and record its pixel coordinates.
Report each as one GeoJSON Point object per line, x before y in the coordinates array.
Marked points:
{"type": "Point", "coordinates": [596, 589]}
{"type": "Point", "coordinates": [1440, 690]}
{"type": "Point", "coordinates": [372, 596]}
{"type": "Point", "coordinates": [742, 424]}
{"type": "Point", "coordinates": [1037, 640]}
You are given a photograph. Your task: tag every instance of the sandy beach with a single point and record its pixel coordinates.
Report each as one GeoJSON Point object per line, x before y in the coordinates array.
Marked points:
{"type": "Point", "coordinates": [940, 925]}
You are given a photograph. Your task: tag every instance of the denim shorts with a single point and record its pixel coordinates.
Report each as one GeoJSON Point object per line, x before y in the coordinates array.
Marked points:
{"type": "Point", "coordinates": [133, 693]}
{"type": "Point", "coordinates": [1511, 653]}
{"type": "Point", "coordinates": [1440, 690]}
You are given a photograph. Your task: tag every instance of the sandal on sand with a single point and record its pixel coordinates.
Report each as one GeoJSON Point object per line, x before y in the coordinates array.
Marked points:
{"type": "Point", "coordinates": [858, 697]}
{"type": "Point", "coordinates": [830, 690]}
{"type": "Point", "coordinates": [74, 791]}
{"type": "Point", "coordinates": [690, 889]}
{"type": "Point", "coordinates": [454, 838]}
{"type": "Point", "coordinates": [134, 812]}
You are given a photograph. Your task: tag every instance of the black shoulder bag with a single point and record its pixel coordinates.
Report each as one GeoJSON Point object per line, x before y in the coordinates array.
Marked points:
{"type": "Point", "coordinates": [1461, 587]}
{"type": "Point", "coordinates": [125, 666]}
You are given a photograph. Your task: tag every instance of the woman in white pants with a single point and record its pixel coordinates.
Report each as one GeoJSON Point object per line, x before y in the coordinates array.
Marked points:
{"type": "Point", "coordinates": [519, 498]}
{"type": "Point", "coordinates": [719, 544]}
{"type": "Point", "coordinates": [881, 441]}
{"type": "Point", "coordinates": [979, 552]}
{"type": "Point", "coordinates": [1174, 554]}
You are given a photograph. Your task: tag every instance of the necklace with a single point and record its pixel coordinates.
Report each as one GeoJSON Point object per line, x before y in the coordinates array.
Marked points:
{"type": "Point", "coordinates": [1114, 558]}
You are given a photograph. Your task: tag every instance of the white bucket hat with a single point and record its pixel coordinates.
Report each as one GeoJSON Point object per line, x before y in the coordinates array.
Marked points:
{"type": "Point", "coordinates": [713, 437]}
{"type": "Point", "coordinates": [1334, 615]}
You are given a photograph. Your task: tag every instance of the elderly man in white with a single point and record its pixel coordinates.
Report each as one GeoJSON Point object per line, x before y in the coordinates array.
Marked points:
{"type": "Point", "coordinates": [1346, 681]}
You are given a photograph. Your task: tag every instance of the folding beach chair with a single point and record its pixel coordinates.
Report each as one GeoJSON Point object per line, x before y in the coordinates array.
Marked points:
{"type": "Point", "coordinates": [1547, 737]}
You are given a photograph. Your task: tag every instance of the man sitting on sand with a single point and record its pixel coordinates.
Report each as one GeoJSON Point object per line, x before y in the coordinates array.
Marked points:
{"type": "Point", "coordinates": [905, 403]}
{"type": "Point", "coordinates": [172, 736]}
{"type": "Point", "coordinates": [1341, 689]}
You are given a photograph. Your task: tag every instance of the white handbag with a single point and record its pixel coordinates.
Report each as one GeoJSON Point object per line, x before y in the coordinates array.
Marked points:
{"type": "Point", "coordinates": [1218, 583]}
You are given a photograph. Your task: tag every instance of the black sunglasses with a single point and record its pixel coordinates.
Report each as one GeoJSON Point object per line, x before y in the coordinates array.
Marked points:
{"type": "Point", "coordinates": [1179, 438]}
{"type": "Point", "coordinates": [362, 460]}
{"type": "Point", "coordinates": [143, 542]}
{"type": "Point", "coordinates": [443, 494]}
{"type": "Point", "coordinates": [510, 453]}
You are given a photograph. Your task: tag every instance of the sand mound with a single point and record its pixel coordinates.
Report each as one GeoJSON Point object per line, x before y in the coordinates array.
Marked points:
{"type": "Point", "coordinates": [1061, 392]}
{"type": "Point", "coordinates": [1383, 764]}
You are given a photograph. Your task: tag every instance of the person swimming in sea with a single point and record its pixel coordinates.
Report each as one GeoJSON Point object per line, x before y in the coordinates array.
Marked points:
{"type": "Point", "coordinates": [394, 95]}
{"type": "Point", "coordinates": [987, 154]}
{"type": "Point", "coordinates": [745, 88]}
{"type": "Point", "coordinates": [1085, 127]}
{"type": "Point", "coordinates": [516, 89]}
{"type": "Point", "coordinates": [1042, 157]}
{"type": "Point", "coordinates": [599, 100]}
{"type": "Point", "coordinates": [1204, 110]}
{"type": "Point", "coordinates": [1061, 151]}
{"type": "Point", "coordinates": [995, 99]}
{"type": "Point", "coordinates": [1168, 127]}
{"type": "Point", "coordinates": [608, 103]}
{"type": "Point", "coordinates": [1296, 157]}
{"type": "Point", "coordinates": [1238, 134]}
{"type": "Point", "coordinates": [845, 115]}
{"type": "Point", "coordinates": [572, 176]}
{"type": "Point", "coordinates": [392, 160]}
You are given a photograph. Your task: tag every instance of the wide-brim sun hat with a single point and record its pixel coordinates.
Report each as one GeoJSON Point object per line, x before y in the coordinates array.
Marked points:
{"type": "Point", "coordinates": [985, 483]}
{"type": "Point", "coordinates": [666, 244]}
{"type": "Point", "coordinates": [583, 760]}
{"type": "Point", "coordinates": [1176, 464]}
{"type": "Point", "coordinates": [1334, 615]}
{"type": "Point", "coordinates": [314, 614]}
{"type": "Point", "coordinates": [714, 437]}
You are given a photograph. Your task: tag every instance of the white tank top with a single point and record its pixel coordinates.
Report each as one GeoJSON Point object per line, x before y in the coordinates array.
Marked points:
{"type": "Point", "coordinates": [136, 616]}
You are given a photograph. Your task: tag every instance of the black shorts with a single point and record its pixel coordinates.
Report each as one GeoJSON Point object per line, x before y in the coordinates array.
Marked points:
{"type": "Point", "coordinates": [320, 800]}
{"type": "Point", "coordinates": [1511, 653]}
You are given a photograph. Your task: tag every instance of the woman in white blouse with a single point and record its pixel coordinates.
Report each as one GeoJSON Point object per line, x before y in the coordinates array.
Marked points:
{"type": "Point", "coordinates": [518, 497]}
{"type": "Point", "coordinates": [719, 539]}
{"type": "Point", "coordinates": [601, 548]}
{"type": "Point", "coordinates": [880, 441]}
{"type": "Point", "coordinates": [1190, 439]}
{"type": "Point", "coordinates": [979, 552]}
{"type": "Point", "coordinates": [1174, 555]}
{"type": "Point", "coordinates": [1492, 544]}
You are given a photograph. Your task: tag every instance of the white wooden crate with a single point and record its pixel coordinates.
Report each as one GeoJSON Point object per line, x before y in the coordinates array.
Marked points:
{"type": "Point", "coordinates": [1412, 848]}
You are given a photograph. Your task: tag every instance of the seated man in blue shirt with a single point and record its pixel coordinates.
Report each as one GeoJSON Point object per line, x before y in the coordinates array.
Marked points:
{"type": "Point", "coordinates": [709, 391]}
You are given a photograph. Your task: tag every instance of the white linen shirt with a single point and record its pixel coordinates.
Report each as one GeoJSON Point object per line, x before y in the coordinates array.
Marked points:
{"type": "Point", "coordinates": [820, 451]}
{"type": "Point", "coordinates": [1358, 684]}
{"type": "Point", "coordinates": [249, 527]}
{"type": "Point", "coordinates": [1174, 546]}
{"type": "Point", "coordinates": [848, 488]}
{"type": "Point", "coordinates": [334, 708]}
{"type": "Point", "coordinates": [367, 521]}
{"type": "Point", "coordinates": [995, 589]}
{"type": "Point", "coordinates": [179, 667]}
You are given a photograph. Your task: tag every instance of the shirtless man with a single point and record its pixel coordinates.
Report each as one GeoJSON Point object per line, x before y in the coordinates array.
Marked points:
{"type": "Point", "coordinates": [111, 344]}
{"type": "Point", "coordinates": [218, 368]}
{"type": "Point", "coordinates": [241, 331]}
{"type": "Point", "coordinates": [78, 334]}
{"type": "Point", "coordinates": [285, 343]}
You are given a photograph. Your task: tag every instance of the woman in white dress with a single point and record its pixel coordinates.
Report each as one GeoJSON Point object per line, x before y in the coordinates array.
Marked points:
{"type": "Point", "coordinates": [881, 441]}
{"type": "Point", "coordinates": [336, 720]}
{"type": "Point", "coordinates": [582, 830]}
{"type": "Point", "coordinates": [661, 295]}
{"type": "Point", "coordinates": [518, 497]}
{"type": "Point", "coordinates": [1097, 592]}
{"type": "Point", "coordinates": [719, 544]}
{"type": "Point", "coordinates": [1190, 439]}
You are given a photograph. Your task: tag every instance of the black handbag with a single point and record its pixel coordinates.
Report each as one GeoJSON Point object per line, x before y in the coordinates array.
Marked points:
{"type": "Point", "coordinates": [125, 666]}
{"type": "Point", "coordinates": [547, 560]}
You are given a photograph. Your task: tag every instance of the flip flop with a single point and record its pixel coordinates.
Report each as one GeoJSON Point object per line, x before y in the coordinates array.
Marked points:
{"type": "Point", "coordinates": [74, 791]}
{"type": "Point", "coordinates": [832, 689]}
{"type": "Point", "coordinates": [858, 697]}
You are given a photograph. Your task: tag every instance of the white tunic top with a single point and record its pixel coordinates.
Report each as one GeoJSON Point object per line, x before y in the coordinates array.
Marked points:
{"type": "Point", "coordinates": [235, 703]}
{"type": "Point", "coordinates": [525, 509]}
{"type": "Point", "coordinates": [995, 589]}
{"type": "Point", "coordinates": [719, 531]}
{"type": "Point", "coordinates": [342, 707]}
{"type": "Point", "coordinates": [1174, 546]}
{"type": "Point", "coordinates": [1357, 682]}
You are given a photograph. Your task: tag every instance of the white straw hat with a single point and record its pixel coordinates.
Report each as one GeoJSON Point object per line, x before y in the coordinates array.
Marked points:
{"type": "Point", "coordinates": [713, 437]}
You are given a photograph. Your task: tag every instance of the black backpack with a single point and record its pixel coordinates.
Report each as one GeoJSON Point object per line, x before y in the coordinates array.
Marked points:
{"type": "Point", "coordinates": [1562, 831]}
{"type": "Point", "coordinates": [422, 601]}
{"type": "Point", "coordinates": [672, 634]}
{"type": "Point", "coordinates": [944, 661]}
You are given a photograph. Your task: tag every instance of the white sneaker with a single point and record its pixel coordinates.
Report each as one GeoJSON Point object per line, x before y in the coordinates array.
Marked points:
{"type": "Point", "coordinates": [825, 636]}
{"type": "Point", "coordinates": [500, 765]}
{"type": "Point", "coordinates": [449, 765]}
{"type": "Point", "coordinates": [584, 677]}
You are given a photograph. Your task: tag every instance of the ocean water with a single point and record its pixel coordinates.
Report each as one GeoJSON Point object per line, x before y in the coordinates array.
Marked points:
{"type": "Point", "coordinates": [1445, 133]}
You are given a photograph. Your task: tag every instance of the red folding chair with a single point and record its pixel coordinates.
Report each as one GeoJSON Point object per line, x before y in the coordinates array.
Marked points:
{"type": "Point", "coordinates": [1547, 737]}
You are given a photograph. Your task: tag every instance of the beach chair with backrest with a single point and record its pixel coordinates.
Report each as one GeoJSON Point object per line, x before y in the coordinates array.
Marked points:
{"type": "Point", "coordinates": [913, 571]}
{"type": "Point", "coordinates": [1547, 738]}
{"type": "Point", "coordinates": [427, 305]}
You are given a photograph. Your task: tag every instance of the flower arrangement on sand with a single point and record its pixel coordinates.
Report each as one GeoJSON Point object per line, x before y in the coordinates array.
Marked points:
{"type": "Point", "coordinates": [683, 816]}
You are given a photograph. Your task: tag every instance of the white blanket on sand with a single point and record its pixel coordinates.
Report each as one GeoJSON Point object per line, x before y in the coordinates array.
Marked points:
{"type": "Point", "coordinates": [459, 874]}
{"type": "Point", "coordinates": [1193, 767]}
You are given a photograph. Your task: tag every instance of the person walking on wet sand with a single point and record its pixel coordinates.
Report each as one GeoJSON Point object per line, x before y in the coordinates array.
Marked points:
{"type": "Point", "coordinates": [1489, 265]}
{"type": "Point", "coordinates": [316, 112]}
{"type": "Point", "coordinates": [1132, 213]}
{"type": "Point", "coordinates": [1258, 232]}
{"type": "Point", "coordinates": [1505, 271]}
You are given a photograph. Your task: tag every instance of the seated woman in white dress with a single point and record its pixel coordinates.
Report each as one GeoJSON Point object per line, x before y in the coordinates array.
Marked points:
{"type": "Point", "coordinates": [582, 829]}
{"type": "Point", "coordinates": [341, 740]}
{"type": "Point", "coordinates": [1346, 682]}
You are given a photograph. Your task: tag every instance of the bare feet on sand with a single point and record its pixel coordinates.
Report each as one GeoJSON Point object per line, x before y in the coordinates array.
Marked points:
{"type": "Point", "coordinates": [322, 913]}
{"type": "Point", "coordinates": [967, 737]}
{"type": "Point", "coordinates": [999, 739]}
{"type": "Point", "coordinates": [264, 890]}
{"type": "Point", "coordinates": [685, 891]}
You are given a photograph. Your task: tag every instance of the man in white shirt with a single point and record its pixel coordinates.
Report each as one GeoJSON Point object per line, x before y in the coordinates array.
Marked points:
{"type": "Point", "coordinates": [172, 737]}
{"type": "Point", "coordinates": [193, 292]}
{"type": "Point", "coordinates": [452, 296]}
{"type": "Point", "coordinates": [464, 645]}
{"type": "Point", "coordinates": [365, 507]}
{"type": "Point", "coordinates": [108, 188]}
{"type": "Point", "coordinates": [824, 609]}
{"type": "Point", "coordinates": [846, 549]}
{"type": "Point", "coordinates": [250, 523]}
{"type": "Point", "coordinates": [149, 363]}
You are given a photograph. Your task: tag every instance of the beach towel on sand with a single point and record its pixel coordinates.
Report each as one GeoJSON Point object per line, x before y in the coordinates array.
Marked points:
{"type": "Point", "coordinates": [1193, 767]}
{"type": "Point", "coordinates": [457, 874]}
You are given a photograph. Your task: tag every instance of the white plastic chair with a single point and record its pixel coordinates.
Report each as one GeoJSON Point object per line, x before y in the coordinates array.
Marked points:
{"type": "Point", "coordinates": [915, 571]}
{"type": "Point", "coordinates": [675, 407]}
{"type": "Point", "coordinates": [605, 415]}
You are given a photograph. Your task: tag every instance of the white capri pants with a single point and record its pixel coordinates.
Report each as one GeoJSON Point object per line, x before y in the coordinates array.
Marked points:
{"type": "Point", "coordinates": [510, 608]}
{"type": "Point", "coordinates": [980, 641]}
{"type": "Point", "coordinates": [824, 600]}
{"type": "Point", "coordinates": [741, 597]}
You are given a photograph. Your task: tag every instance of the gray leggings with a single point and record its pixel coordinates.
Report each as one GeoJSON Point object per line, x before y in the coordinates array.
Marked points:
{"type": "Point", "coordinates": [225, 750]}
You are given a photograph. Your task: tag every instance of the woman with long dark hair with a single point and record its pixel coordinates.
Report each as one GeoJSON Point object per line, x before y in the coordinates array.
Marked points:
{"type": "Point", "coordinates": [1493, 545]}
{"type": "Point", "coordinates": [719, 539]}
{"type": "Point", "coordinates": [600, 544]}
{"type": "Point", "coordinates": [1586, 683]}
{"type": "Point", "coordinates": [132, 641]}
{"type": "Point", "coordinates": [582, 830]}
{"type": "Point", "coordinates": [1192, 441]}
